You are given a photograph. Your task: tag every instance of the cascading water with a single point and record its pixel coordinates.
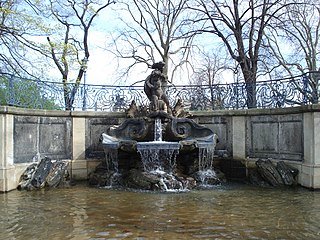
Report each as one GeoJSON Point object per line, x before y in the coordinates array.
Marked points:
{"type": "Point", "coordinates": [112, 159]}
{"type": "Point", "coordinates": [158, 155]}
{"type": "Point", "coordinates": [159, 158]}
{"type": "Point", "coordinates": [206, 174]}
{"type": "Point", "coordinates": [157, 130]}
{"type": "Point", "coordinates": [112, 162]}
{"type": "Point", "coordinates": [206, 152]}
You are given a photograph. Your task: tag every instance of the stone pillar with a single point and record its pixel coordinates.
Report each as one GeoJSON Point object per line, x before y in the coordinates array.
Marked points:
{"type": "Point", "coordinates": [78, 163]}
{"type": "Point", "coordinates": [239, 137]}
{"type": "Point", "coordinates": [8, 179]}
{"type": "Point", "coordinates": [310, 168]}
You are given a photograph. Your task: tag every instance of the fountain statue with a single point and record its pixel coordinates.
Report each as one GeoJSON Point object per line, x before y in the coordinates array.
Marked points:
{"type": "Point", "coordinates": [158, 148]}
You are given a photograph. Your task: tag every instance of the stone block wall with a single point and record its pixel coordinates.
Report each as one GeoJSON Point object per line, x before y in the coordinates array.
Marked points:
{"type": "Point", "coordinates": [290, 134]}
{"type": "Point", "coordinates": [275, 136]}
{"type": "Point", "coordinates": [47, 136]}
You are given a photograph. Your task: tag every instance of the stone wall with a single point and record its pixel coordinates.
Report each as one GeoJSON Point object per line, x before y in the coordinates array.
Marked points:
{"type": "Point", "coordinates": [46, 136]}
{"type": "Point", "coordinates": [275, 136]}
{"type": "Point", "coordinates": [290, 134]}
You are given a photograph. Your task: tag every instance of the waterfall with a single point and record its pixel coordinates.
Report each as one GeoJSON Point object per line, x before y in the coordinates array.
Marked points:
{"type": "Point", "coordinates": [112, 159]}
{"type": "Point", "coordinates": [206, 174]}
{"type": "Point", "coordinates": [157, 130]}
{"type": "Point", "coordinates": [112, 165]}
{"type": "Point", "coordinates": [159, 159]}
{"type": "Point", "coordinates": [111, 151]}
{"type": "Point", "coordinates": [206, 152]}
{"type": "Point", "coordinates": [158, 156]}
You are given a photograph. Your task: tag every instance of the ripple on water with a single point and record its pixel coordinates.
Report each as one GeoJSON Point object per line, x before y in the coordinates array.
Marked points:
{"type": "Point", "coordinates": [226, 212]}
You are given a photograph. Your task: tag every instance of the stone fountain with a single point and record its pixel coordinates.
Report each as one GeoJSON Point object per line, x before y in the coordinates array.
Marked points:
{"type": "Point", "coordinates": [158, 147]}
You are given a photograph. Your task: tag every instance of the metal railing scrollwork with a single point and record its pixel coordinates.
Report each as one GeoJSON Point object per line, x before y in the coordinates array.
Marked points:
{"type": "Point", "coordinates": [281, 93]}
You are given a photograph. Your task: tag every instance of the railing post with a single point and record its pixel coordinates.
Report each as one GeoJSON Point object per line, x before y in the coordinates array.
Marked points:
{"type": "Point", "coordinates": [84, 66]}
{"type": "Point", "coordinates": [84, 104]}
{"type": "Point", "coordinates": [11, 101]}
{"type": "Point", "coordinates": [305, 89]}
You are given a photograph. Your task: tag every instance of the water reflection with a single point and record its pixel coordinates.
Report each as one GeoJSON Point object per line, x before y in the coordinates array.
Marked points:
{"type": "Point", "coordinates": [226, 212]}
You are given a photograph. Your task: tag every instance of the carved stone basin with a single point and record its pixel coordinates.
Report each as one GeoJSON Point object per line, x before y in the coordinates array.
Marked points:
{"type": "Point", "coordinates": [183, 132]}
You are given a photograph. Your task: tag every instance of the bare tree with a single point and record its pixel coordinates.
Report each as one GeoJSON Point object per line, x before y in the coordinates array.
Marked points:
{"type": "Point", "coordinates": [76, 18]}
{"type": "Point", "coordinates": [240, 24]}
{"type": "Point", "coordinates": [209, 73]}
{"type": "Point", "coordinates": [155, 30]}
{"type": "Point", "coordinates": [300, 29]}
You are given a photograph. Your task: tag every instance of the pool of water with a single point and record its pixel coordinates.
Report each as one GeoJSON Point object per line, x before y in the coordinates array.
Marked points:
{"type": "Point", "coordinates": [231, 211]}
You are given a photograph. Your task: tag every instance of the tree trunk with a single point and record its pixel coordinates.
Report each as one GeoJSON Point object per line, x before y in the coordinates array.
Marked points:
{"type": "Point", "coordinates": [70, 91]}
{"type": "Point", "coordinates": [249, 70]}
{"type": "Point", "coordinates": [314, 79]}
{"type": "Point", "coordinates": [251, 94]}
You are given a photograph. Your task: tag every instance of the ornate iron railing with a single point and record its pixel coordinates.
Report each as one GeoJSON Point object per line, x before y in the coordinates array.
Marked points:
{"type": "Point", "coordinates": [50, 95]}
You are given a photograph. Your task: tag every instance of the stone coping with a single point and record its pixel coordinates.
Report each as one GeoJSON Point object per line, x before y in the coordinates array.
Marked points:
{"type": "Point", "coordinates": [98, 114]}
{"type": "Point", "coordinates": [57, 113]}
{"type": "Point", "coordinates": [258, 111]}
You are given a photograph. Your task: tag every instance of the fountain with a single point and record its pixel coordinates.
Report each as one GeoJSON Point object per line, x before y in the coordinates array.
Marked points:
{"type": "Point", "coordinates": [165, 149]}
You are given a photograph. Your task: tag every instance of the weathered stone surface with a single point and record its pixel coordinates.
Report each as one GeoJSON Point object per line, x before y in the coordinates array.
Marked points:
{"type": "Point", "coordinates": [287, 173]}
{"type": "Point", "coordinates": [43, 174]}
{"type": "Point", "coordinates": [256, 179]}
{"type": "Point", "coordinates": [208, 177]}
{"type": "Point", "coordinates": [137, 178]}
{"type": "Point", "coordinates": [57, 174]}
{"type": "Point", "coordinates": [158, 181]}
{"type": "Point", "coordinates": [179, 111]}
{"type": "Point", "coordinates": [187, 129]}
{"type": "Point", "coordinates": [141, 180]}
{"type": "Point", "coordinates": [102, 176]}
{"type": "Point", "coordinates": [94, 128]}
{"type": "Point", "coordinates": [26, 177]}
{"type": "Point", "coordinates": [269, 172]}
{"type": "Point", "coordinates": [50, 136]}
{"type": "Point", "coordinates": [274, 175]}
{"type": "Point", "coordinates": [276, 136]}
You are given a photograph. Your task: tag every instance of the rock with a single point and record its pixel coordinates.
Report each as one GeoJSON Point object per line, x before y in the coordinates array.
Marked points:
{"type": "Point", "coordinates": [275, 175]}
{"type": "Point", "coordinates": [256, 179]}
{"type": "Point", "coordinates": [57, 174]}
{"type": "Point", "coordinates": [207, 177]}
{"type": "Point", "coordinates": [269, 172]}
{"type": "Point", "coordinates": [157, 181]}
{"type": "Point", "coordinates": [188, 182]}
{"type": "Point", "coordinates": [44, 173]}
{"type": "Point", "coordinates": [102, 179]}
{"type": "Point", "coordinates": [287, 173]}
{"type": "Point", "coordinates": [26, 177]}
{"type": "Point", "coordinates": [220, 175]}
{"type": "Point", "coordinates": [102, 176]}
{"type": "Point", "coordinates": [41, 173]}
{"type": "Point", "coordinates": [142, 180]}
